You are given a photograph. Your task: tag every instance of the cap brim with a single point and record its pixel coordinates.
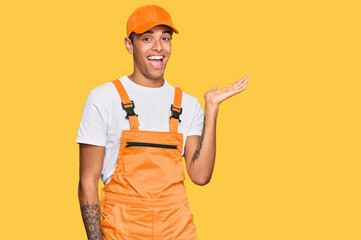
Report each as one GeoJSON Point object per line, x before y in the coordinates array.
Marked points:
{"type": "Point", "coordinates": [143, 28]}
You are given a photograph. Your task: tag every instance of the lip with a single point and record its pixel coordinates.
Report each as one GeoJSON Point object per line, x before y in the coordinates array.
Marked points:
{"type": "Point", "coordinates": [162, 62]}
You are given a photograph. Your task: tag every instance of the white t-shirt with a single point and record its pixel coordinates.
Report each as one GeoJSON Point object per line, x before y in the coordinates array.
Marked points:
{"type": "Point", "coordinates": [103, 117]}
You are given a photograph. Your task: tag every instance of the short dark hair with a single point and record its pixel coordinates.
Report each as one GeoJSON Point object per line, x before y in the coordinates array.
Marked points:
{"type": "Point", "coordinates": [131, 37]}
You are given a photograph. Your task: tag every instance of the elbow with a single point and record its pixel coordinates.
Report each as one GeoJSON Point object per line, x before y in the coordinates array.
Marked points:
{"type": "Point", "coordinates": [202, 181]}
{"type": "Point", "coordinates": [201, 178]}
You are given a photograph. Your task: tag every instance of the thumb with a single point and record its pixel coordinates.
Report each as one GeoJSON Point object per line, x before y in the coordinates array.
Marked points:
{"type": "Point", "coordinates": [214, 88]}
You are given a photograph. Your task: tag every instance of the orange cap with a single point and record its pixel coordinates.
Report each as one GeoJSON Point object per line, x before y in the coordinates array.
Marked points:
{"type": "Point", "coordinates": [146, 17]}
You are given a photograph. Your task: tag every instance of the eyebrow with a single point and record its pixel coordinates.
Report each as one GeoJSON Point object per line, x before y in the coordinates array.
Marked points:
{"type": "Point", "coordinates": [153, 32]}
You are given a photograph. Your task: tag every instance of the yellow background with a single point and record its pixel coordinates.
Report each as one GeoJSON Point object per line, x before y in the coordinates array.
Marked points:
{"type": "Point", "coordinates": [288, 147]}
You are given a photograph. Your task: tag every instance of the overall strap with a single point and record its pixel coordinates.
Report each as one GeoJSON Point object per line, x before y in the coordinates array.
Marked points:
{"type": "Point", "coordinates": [176, 110]}
{"type": "Point", "coordinates": [127, 105]}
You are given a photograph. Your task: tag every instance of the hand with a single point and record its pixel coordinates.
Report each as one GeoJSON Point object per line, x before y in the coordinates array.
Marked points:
{"type": "Point", "coordinates": [214, 97]}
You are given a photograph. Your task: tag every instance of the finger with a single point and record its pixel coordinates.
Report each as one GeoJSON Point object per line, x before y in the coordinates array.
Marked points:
{"type": "Point", "coordinates": [241, 88]}
{"type": "Point", "coordinates": [233, 85]}
{"type": "Point", "coordinates": [234, 91]}
{"type": "Point", "coordinates": [240, 84]}
{"type": "Point", "coordinates": [243, 84]}
{"type": "Point", "coordinates": [245, 79]}
{"type": "Point", "coordinates": [236, 84]}
{"type": "Point", "coordinates": [240, 81]}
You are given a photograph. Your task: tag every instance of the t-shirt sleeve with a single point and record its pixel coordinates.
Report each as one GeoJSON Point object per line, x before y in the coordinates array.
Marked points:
{"type": "Point", "coordinates": [197, 121]}
{"type": "Point", "coordinates": [93, 128]}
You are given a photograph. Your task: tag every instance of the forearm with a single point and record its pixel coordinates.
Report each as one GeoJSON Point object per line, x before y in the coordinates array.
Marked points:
{"type": "Point", "coordinates": [90, 209]}
{"type": "Point", "coordinates": [204, 157]}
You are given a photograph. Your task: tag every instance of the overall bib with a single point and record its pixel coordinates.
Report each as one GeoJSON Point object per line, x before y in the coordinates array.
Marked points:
{"type": "Point", "coordinates": [145, 198]}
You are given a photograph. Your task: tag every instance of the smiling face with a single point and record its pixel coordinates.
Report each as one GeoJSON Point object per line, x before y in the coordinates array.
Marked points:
{"type": "Point", "coordinates": [151, 51]}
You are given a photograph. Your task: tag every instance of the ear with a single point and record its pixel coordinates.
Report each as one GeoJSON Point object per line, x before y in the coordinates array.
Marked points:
{"type": "Point", "coordinates": [128, 45]}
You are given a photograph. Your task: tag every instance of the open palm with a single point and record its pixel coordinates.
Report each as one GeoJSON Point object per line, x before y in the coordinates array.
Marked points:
{"type": "Point", "coordinates": [215, 97]}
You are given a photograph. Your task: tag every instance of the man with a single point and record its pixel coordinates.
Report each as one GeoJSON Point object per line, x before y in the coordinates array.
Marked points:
{"type": "Point", "coordinates": [137, 151]}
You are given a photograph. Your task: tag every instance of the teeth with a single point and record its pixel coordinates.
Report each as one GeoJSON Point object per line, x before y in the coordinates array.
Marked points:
{"type": "Point", "coordinates": [155, 57]}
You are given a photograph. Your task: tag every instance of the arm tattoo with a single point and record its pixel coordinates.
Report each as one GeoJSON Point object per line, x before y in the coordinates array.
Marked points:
{"type": "Point", "coordinates": [91, 219]}
{"type": "Point", "coordinates": [196, 154]}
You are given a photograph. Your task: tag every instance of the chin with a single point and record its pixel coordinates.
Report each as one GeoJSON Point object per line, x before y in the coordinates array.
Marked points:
{"type": "Point", "coordinates": [156, 75]}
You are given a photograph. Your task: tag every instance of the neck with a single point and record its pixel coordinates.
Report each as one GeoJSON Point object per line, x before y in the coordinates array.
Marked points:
{"type": "Point", "coordinates": [144, 81]}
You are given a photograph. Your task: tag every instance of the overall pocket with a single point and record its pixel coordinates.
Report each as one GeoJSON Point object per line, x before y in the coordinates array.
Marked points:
{"type": "Point", "coordinates": [107, 212]}
{"type": "Point", "coordinates": [151, 168]}
{"type": "Point", "coordinates": [144, 144]}
{"type": "Point", "coordinates": [115, 224]}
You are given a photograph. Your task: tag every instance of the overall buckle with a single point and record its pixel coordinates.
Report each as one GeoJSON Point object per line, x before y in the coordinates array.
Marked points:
{"type": "Point", "coordinates": [175, 114]}
{"type": "Point", "coordinates": [129, 110]}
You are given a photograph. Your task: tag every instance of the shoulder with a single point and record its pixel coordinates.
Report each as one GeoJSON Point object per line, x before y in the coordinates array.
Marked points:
{"type": "Point", "coordinates": [186, 98]}
{"type": "Point", "coordinates": [191, 102]}
{"type": "Point", "coordinates": [103, 94]}
{"type": "Point", "coordinates": [189, 97]}
{"type": "Point", "coordinates": [103, 90]}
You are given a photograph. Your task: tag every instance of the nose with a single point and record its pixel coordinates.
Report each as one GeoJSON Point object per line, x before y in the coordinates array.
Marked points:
{"type": "Point", "coordinates": [157, 46]}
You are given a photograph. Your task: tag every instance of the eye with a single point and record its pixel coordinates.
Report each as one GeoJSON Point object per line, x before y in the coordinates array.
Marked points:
{"type": "Point", "coordinates": [146, 39]}
{"type": "Point", "coordinates": [166, 38]}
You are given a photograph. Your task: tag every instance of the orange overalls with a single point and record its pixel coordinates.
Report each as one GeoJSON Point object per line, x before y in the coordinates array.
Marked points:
{"type": "Point", "coordinates": [145, 198]}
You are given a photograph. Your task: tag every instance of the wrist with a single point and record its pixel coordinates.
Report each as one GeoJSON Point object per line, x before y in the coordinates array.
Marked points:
{"type": "Point", "coordinates": [211, 108]}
